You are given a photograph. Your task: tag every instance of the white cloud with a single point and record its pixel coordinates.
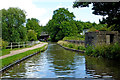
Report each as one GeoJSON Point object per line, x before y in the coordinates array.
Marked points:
{"type": "Point", "coordinates": [27, 5]}
{"type": "Point", "coordinates": [44, 14]}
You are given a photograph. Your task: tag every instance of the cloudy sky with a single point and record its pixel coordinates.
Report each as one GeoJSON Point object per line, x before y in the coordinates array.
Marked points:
{"type": "Point", "coordinates": [43, 9]}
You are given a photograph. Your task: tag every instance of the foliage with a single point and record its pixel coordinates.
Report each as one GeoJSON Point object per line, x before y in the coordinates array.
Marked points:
{"type": "Point", "coordinates": [33, 24]}
{"type": "Point", "coordinates": [78, 37]}
{"type": "Point", "coordinates": [71, 45]}
{"type": "Point", "coordinates": [92, 29]}
{"type": "Point", "coordinates": [110, 10]}
{"type": "Point", "coordinates": [4, 44]}
{"type": "Point", "coordinates": [89, 50]}
{"type": "Point", "coordinates": [111, 51]}
{"type": "Point", "coordinates": [87, 25]}
{"type": "Point", "coordinates": [32, 36]}
{"type": "Point", "coordinates": [12, 25]}
{"type": "Point", "coordinates": [61, 24]}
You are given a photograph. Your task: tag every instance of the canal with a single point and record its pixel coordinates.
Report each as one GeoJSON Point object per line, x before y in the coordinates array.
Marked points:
{"type": "Point", "coordinates": [57, 62]}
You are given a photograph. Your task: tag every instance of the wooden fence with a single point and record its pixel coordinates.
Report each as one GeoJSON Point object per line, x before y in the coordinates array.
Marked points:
{"type": "Point", "coordinates": [21, 44]}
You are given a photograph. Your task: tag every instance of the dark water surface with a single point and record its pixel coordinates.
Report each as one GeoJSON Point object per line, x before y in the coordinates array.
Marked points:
{"type": "Point", "coordinates": [57, 62]}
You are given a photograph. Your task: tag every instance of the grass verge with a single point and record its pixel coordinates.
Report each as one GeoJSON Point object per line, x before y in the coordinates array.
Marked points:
{"type": "Point", "coordinates": [7, 51]}
{"type": "Point", "coordinates": [11, 59]}
{"type": "Point", "coordinates": [71, 45]}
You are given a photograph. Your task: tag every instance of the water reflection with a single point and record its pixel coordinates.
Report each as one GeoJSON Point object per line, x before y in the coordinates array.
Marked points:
{"type": "Point", "coordinates": [57, 62]}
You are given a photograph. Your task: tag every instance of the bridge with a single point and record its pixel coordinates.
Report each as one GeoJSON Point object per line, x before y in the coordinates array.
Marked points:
{"type": "Point", "coordinates": [44, 36]}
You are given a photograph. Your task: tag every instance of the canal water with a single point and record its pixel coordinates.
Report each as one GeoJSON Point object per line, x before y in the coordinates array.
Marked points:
{"type": "Point", "coordinates": [57, 62]}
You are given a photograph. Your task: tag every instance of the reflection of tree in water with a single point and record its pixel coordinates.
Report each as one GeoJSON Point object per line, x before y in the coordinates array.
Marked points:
{"type": "Point", "coordinates": [62, 59]}
{"type": "Point", "coordinates": [103, 66]}
{"type": "Point", "coordinates": [67, 62]}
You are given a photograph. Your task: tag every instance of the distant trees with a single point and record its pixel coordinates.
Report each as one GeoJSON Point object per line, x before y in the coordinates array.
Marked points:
{"type": "Point", "coordinates": [109, 9]}
{"type": "Point", "coordinates": [61, 24]}
{"type": "Point", "coordinates": [33, 24]}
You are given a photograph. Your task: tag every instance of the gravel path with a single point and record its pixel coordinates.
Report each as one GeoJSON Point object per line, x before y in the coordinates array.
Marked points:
{"type": "Point", "coordinates": [22, 50]}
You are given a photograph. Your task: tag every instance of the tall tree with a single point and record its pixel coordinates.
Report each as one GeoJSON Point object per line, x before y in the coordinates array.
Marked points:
{"type": "Point", "coordinates": [58, 26]}
{"type": "Point", "coordinates": [109, 9]}
{"type": "Point", "coordinates": [12, 22]}
{"type": "Point", "coordinates": [33, 24]}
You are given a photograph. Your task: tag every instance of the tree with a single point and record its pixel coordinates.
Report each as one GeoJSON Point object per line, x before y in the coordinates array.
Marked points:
{"type": "Point", "coordinates": [109, 9]}
{"type": "Point", "coordinates": [60, 23]}
{"type": "Point", "coordinates": [32, 36]}
{"type": "Point", "coordinates": [12, 22]}
{"type": "Point", "coordinates": [33, 24]}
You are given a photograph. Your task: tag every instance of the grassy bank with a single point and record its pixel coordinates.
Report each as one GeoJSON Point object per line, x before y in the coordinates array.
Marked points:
{"type": "Point", "coordinates": [79, 37]}
{"type": "Point", "coordinates": [111, 51]}
{"type": "Point", "coordinates": [71, 45]}
{"type": "Point", "coordinates": [11, 59]}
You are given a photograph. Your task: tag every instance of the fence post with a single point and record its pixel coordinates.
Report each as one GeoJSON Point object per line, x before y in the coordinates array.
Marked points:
{"type": "Point", "coordinates": [24, 44]}
{"type": "Point", "coordinates": [18, 44]}
{"type": "Point", "coordinates": [11, 45]}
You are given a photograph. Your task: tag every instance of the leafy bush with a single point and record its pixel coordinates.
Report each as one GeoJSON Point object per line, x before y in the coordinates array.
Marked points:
{"type": "Point", "coordinates": [92, 29]}
{"type": "Point", "coordinates": [32, 36]}
{"type": "Point", "coordinates": [81, 47]}
{"type": "Point", "coordinates": [111, 51]}
{"type": "Point", "coordinates": [4, 44]}
{"type": "Point", "coordinates": [89, 50]}
{"type": "Point", "coordinates": [70, 46]}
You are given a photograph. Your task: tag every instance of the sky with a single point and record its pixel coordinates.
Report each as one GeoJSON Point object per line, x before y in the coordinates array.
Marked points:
{"type": "Point", "coordinates": [43, 9]}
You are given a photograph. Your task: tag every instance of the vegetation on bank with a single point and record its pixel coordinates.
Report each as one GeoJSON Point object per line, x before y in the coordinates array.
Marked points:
{"type": "Point", "coordinates": [111, 51]}
{"type": "Point", "coordinates": [78, 37]}
{"type": "Point", "coordinates": [71, 45]}
{"type": "Point", "coordinates": [11, 59]}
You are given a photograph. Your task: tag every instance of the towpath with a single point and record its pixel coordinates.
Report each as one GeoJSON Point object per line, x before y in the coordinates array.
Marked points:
{"type": "Point", "coordinates": [14, 52]}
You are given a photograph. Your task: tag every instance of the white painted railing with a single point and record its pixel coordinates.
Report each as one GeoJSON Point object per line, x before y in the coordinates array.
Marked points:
{"type": "Point", "coordinates": [22, 44]}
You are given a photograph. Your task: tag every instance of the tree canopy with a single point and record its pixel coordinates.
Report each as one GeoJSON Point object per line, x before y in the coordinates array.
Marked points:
{"type": "Point", "coordinates": [110, 10]}
{"type": "Point", "coordinates": [61, 24]}
{"type": "Point", "coordinates": [33, 24]}
{"type": "Point", "coordinates": [12, 25]}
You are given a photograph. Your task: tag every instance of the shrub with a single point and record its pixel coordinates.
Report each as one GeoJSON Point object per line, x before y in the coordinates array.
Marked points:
{"type": "Point", "coordinates": [92, 29]}
{"type": "Point", "coordinates": [70, 46]}
{"type": "Point", "coordinates": [111, 51]}
{"type": "Point", "coordinates": [4, 44]}
{"type": "Point", "coordinates": [89, 50]}
{"type": "Point", "coordinates": [80, 47]}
